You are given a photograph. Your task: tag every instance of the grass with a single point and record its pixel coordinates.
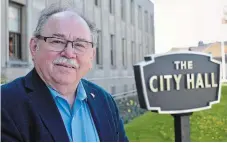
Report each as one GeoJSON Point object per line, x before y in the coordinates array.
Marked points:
{"type": "Point", "coordinates": [208, 125]}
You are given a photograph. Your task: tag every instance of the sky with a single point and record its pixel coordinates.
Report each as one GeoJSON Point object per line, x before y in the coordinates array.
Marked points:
{"type": "Point", "coordinates": [183, 23]}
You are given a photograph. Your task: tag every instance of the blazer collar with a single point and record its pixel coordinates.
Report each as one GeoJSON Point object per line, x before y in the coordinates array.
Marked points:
{"type": "Point", "coordinates": [43, 101]}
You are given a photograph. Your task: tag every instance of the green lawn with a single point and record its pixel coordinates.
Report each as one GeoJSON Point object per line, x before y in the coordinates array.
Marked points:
{"type": "Point", "coordinates": [208, 125]}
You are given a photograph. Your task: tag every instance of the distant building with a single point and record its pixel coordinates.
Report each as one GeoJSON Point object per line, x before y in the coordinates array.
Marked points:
{"type": "Point", "coordinates": [178, 49]}
{"type": "Point", "coordinates": [213, 49]}
{"type": "Point", "coordinates": [125, 35]}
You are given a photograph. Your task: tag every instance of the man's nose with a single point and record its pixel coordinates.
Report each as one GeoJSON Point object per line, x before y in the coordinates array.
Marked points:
{"type": "Point", "coordinates": [69, 51]}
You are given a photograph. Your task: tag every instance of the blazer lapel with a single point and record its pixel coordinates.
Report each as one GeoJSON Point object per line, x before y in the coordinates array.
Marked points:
{"type": "Point", "coordinates": [42, 99]}
{"type": "Point", "coordinates": [99, 113]}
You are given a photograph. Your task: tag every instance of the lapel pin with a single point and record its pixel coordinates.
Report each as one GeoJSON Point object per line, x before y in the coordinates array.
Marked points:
{"type": "Point", "coordinates": [92, 95]}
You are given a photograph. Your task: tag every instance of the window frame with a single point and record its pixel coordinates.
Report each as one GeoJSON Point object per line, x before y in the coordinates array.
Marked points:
{"type": "Point", "coordinates": [97, 3]}
{"type": "Point", "coordinates": [99, 50]}
{"type": "Point", "coordinates": [111, 7]}
{"type": "Point", "coordinates": [112, 51]}
{"type": "Point", "coordinates": [139, 17]}
{"type": "Point", "coordinates": [124, 52]}
{"type": "Point", "coordinates": [123, 11]}
{"type": "Point", "coordinates": [146, 21]}
{"type": "Point", "coordinates": [18, 56]}
{"type": "Point", "coordinates": [132, 12]}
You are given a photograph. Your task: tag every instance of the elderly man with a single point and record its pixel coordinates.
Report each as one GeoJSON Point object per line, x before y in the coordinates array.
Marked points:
{"type": "Point", "coordinates": [53, 102]}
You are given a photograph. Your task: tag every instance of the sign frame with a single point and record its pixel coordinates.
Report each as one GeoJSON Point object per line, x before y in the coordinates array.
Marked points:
{"type": "Point", "coordinates": [150, 59]}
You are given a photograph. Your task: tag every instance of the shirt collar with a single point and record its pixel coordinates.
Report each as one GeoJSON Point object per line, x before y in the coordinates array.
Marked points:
{"type": "Point", "coordinates": [80, 95]}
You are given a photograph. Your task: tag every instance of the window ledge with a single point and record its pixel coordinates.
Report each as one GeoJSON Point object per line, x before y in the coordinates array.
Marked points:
{"type": "Point", "coordinates": [124, 67]}
{"type": "Point", "coordinates": [113, 67]}
{"type": "Point", "coordinates": [99, 66]}
{"type": "Point", "coordinates": [17, 63]}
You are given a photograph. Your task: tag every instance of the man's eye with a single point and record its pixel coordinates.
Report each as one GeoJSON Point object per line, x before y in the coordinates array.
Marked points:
{"type": "Point", "coordinates": [79, 45]}
{"type": "Point", "coordinates": [58, 42]}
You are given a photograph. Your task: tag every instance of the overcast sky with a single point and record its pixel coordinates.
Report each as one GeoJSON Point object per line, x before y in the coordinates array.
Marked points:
{"type": "Point", "coordinates": [182, 23]}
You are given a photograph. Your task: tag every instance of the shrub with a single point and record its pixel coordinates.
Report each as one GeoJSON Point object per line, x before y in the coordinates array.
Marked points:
{"type": "Point", "coordinates": [129, 108]}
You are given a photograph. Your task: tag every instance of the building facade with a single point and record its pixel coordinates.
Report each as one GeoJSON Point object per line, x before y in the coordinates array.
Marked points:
{"type": "Point", "coordinates": [125, 35]}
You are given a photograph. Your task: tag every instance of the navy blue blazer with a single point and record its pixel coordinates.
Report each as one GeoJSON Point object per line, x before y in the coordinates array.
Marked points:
{"type": "Point", "coordinates": [29, 112]}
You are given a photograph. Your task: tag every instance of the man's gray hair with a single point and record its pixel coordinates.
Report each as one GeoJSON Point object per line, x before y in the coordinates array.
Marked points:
{"type": "Point", "coordinates": [54, 8]}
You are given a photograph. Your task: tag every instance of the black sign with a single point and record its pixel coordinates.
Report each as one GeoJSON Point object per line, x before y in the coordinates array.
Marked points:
{"type": "Point", "coordinates": [177, 83]}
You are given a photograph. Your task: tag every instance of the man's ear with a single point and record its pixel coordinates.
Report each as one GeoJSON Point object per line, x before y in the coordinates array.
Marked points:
{"type": "Point", "coordinates": [94, 53]}
{"type": "Point", "coordinates": [33, 46]}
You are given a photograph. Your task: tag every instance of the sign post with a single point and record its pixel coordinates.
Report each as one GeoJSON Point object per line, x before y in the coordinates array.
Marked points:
{"type": "Point", "coordinates": [182, 127]}
{"type": "Point", "coordinates": [178, 84]}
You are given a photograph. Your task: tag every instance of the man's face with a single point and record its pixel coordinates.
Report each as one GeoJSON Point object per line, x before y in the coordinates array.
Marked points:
{"type": "Point", "coordinates": [52, 64]}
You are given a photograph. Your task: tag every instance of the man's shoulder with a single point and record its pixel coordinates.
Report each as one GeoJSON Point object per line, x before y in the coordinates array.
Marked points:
{"type": "Point", "coordinates": [12, 86]}
{"type": "Point", "coordinates": [13, 91]}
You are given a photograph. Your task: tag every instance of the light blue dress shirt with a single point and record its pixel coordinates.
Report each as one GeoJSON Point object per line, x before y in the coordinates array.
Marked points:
{"type": "Point", "coordinates": [78, 121]}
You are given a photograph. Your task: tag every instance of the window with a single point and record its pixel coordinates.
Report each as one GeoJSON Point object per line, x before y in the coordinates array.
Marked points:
{"type": "Point", "coordinates": [96, 2]}
{"type": "Point", "coordinates": [139, 17]}
{"type": "Point", "coordinates": [123, 10]}
{"type": "Point", "coordinates": [125, 89]}
{"type": "Point", "coordinates": [138, 53]}
{"type": "Point", "coordinates": [112, 51]}
{"type": "Point", "coordinates": [124, 52]}
{"type": "Point", "coordinates": [111, 6]}
{"type": "Point", "coordinates": [146, 21]}
{"type": "Point", "coordinates": [113, 90]}
{"type": "Point", "coordinates": [133, 86]}
{"type": "Point", "coordinates": [132, 12]}
{"type": "Point", "coordinates": [133, 52]}
{"type": "Point", "coordinates": [141, 51]}
{"type": "Point", "coordinates": [147, 49]}
{"type": "Point", "coordinates": [152, 24]}
{"type": "Point", "coordinates": [15, 46]}
{"type": "Point", "coordinates": [99, 49]}
{"type": "Point", "coordinates": [14, 17]}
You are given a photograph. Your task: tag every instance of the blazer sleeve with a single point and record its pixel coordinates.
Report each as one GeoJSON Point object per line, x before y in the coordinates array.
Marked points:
{"type": "Point", "coordinates": [122, 135]}
{"type": "Point", "coordinates": [9, 131]}
{"type": "Point", "coordinates": [121, 131]}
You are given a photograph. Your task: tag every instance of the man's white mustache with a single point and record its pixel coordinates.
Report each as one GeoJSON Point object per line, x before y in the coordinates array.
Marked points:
{"type": "Point", "coordinates": [67, 62]}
